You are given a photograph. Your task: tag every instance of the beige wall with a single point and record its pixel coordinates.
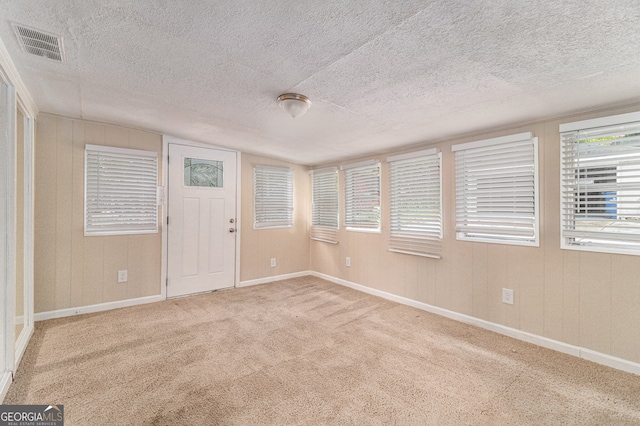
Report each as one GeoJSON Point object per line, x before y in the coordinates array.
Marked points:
{"type": "Point", "coordinates": [587, 299]}
{"type": "Point", "coordinates": [290, 246]}
{"type": "Point", "coordinates": [72, 270]}
{"type": "Point", "coordinates": [581, 298]}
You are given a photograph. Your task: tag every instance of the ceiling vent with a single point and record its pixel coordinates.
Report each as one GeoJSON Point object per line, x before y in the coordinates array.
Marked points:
{"type": "Point", "coordinates": [39, 43]}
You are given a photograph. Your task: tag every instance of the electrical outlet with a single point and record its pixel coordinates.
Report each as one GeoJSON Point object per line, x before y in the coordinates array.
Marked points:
{"type": "Point", "coordinates": [348, 261]}
{"type": "Point", "coordinates": [507, 296]}
{"type": "Point", "coordinates": [273, 262]}
{"type": "Point", "coordinates": [122, 276]}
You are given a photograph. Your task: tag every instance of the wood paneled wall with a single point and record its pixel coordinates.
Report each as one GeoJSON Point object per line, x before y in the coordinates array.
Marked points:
{"type": "Point", "coordinates": [290, 246]}
{"type": "Point", "coordinates": [587, 299]}
{"type": "Point", "coordinates": [72, 270]}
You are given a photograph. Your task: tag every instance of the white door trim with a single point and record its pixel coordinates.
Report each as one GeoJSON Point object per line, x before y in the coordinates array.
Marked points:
{"type": "Point", "coordinates": [28, 230]}
{"type": "Point", "coordinates": [7, 228]}
{"type": "Point", "coordinates": [166, 140]}
{"type": "Point", "coordinates": [18, 96]}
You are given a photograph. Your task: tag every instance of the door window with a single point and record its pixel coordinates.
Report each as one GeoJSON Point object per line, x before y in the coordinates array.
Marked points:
{"type": "Point", "coordinates": [199, 172]}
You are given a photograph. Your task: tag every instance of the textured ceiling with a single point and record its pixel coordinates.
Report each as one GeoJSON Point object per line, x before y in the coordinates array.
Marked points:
{"type": "Point", "coordinates": [380, 74]}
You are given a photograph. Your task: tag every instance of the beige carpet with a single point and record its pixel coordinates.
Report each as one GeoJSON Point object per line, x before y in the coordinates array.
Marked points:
{"type": "Point", "coordinates": [306, 351]}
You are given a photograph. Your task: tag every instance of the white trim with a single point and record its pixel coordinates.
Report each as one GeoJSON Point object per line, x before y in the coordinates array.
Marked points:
{"type": "Point", "coordinates": [492, 141]}
{"type": "Point", "coordinates": [324, 240]}
{"type": "Point", "coordinates": [359, 164]}
{"type": "Point", "coordinates": [8, 237]}
{"type": "Point", "coordinates": [28, 228]}
{"type": "Point", "coordinates": [21, 344]}
{"type": "Point", "coordinates": [68, 312]}
{"type": "Point", "coordinates": [611, 120]}
{"type": "Point", "coordinates": [324, 170]}
{"type": "Point", "coordinates": [117, 150]}
{"type": "Point", "coordinates": [236, 281]}
{"type": "Point", "coordinates": [6, 64]}
{"type": "Point", "coordinates": [545, 342]}
{"type": "Point", "coordinates": [410, 155]}
{"type": "Point", "coordinates": [18, 98]}
{"type": "Point", "coordinates": [163, 225]}
{"type": "Point", "coordinates": [595, 249]}
{"type": "Point", "coordinates": [166, 140]}
{"type": "Point", "coordinates": [367, 230]}
{"type": "Point", "coordinates": [274, 278]}
{"type": "Point", "coordinates": [461, 237]}
{"type": "Point", "coordinates": [178, 141]}
{"type": "Point", "coordinates": [5, 382]}
{"type": "Point", "coordinates": [415, 253]}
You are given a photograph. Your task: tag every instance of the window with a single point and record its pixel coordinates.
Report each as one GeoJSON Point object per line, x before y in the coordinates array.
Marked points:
{"type": "Point", "coordinates": [324, 208]}
{"type": "Point", "coordinates": [120, 191]}
{"type": "Point", "coordinates": [600, 208]}
{"type": "Point", "coordinates": [416, 203]}
{"type": "Point", "coordinates": [272, 197]}
{"type": "Point", "coordinates": [203, 173]}
{"type": "Point", "coordinates": [362, 196]}
{"type": "Point", "coordinates": [497, 190]}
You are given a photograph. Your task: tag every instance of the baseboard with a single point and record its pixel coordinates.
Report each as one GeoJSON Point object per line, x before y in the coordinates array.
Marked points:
{"type": "Point", "coordinates": [587, 354]}
{"type": "Point", "coordinates": [21, 346]}
{"type": "Point", "coordinates": [5, 382]}
{"type": "Point", "coordinates": [61, 313]}
{"type": "Point", "coordinates": [274, 278]}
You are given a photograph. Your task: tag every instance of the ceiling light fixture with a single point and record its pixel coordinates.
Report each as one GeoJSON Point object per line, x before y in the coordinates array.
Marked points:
{"type": "Point", "coordinates": [295, 105]}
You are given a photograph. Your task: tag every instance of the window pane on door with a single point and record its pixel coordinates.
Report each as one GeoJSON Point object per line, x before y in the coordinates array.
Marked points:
{"type": "Point", "coordinates": [198, 172]}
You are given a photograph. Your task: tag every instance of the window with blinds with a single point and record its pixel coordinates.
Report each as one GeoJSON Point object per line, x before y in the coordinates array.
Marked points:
{"type": "Point", "coordinates": [497, 190]}
{"type": "Point", "coordinates": [600, 208]}
{"type": "Point", "coordinates": [416, 203]}
{"type": "Point", "coordinates": [362, 196]}
{"type": "Point", "coordinates": [272, 197]}
{"type": "Point", "coordinates": [324, 205]}
{"type": "Point", "coordinates": [120, 191]}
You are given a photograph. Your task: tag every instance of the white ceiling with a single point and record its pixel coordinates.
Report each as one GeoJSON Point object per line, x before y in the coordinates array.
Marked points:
{"type": "Point", "coordinates": [381, 74]}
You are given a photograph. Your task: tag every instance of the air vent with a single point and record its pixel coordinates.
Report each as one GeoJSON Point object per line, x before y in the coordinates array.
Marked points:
{"type": "Point", "coordinates": [39, 43]}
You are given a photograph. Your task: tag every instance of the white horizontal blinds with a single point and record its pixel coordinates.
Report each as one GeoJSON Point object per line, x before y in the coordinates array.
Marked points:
{"type": "Point", "coordinates": [496, 190]}
{"type": "Point", "coordinates": [324, 209]}
{"type": "Point", "coordinates": [416, 207]}
{"type": "Point", "coordinates": [601, 188]}
{"type": "Point", "coordinates": [362, 196]}
{"type": "Point", "coordinates": [120, 191]}
{"type": "Point", "coordinates": [273, 196]}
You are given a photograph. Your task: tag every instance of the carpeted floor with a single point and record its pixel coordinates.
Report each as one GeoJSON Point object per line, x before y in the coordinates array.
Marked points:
{"type": "Point", "coordinates": [306, 351]}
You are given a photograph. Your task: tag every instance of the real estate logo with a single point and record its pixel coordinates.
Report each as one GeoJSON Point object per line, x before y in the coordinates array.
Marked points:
{"type": "Point", "coordinates": [31, 415]}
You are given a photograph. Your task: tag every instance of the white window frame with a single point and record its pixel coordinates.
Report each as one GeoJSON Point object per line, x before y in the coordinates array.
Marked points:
{"type": "Point", "coordinates": [272, 197]}
{"type": "Point", "coordinates": [325, 205]}
{"type": "Point", "coordinates": [365, 169]}
{"type": "Point", "coordinates": [417, 171]}
{"type": "Point", "coordinates": [137, 179]}
{"type": "Point", "coordinates": [486, 226]}
{"type": "Point", "coordinates": [575, 194]}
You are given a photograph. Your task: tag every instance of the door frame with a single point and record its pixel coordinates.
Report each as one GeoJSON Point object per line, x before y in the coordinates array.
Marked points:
{"type": "Point", "coordinates": [17, 97]}
{"type": "Point", "coordinates": [166, 140]}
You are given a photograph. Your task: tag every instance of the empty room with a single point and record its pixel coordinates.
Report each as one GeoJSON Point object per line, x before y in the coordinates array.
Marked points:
{"type": "Point", "coordinates": [240, 212]}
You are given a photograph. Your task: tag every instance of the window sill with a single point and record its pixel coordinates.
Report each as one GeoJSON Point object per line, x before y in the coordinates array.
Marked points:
{"type": "Point", "coordinates": [365, 230]}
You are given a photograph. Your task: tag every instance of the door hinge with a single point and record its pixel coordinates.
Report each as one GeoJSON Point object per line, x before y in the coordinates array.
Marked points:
{"type": "Point", "coordinates": [166, 282]}
{"type": "Point", "coordinates": [167, 220]}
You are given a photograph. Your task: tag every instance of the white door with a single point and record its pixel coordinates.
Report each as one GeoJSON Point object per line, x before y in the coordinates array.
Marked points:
{"type": "Point", "coordinates": [202, 220]}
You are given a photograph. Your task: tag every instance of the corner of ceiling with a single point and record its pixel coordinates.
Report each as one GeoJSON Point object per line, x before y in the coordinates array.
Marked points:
{"type": "Point", "coordinates": [11, 72]}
